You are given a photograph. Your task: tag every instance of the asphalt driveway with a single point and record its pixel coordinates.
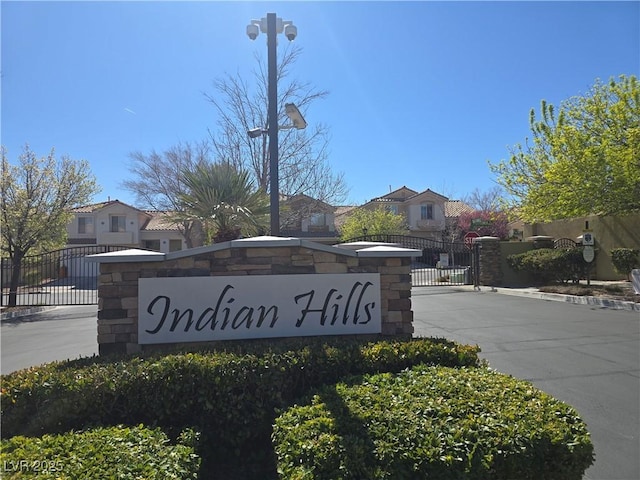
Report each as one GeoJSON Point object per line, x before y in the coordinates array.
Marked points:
{"type": "Point", "coordinates": [588, 357]}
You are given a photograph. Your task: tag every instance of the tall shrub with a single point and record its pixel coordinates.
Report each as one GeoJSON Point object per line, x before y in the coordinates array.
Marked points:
{"type": "Point", "coordinates": [625, 259]}
{"type": "Point", "coordinates": [550, 265]}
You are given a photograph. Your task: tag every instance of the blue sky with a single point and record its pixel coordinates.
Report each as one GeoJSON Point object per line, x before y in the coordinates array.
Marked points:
{"type": "Point", "coordinates": [421, 94]}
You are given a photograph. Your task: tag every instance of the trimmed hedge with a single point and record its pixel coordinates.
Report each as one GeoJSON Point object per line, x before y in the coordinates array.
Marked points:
{"type": "Point", "coordinates": [105, 453]}
{"type": "Point", "coordinates": [432, 422]}
{"type": "Point", "coordinates": [550, 264]}
{"type": "Point", "coordinates": [625, 259]}
{"type": "Point", "coordinates": [229, 396]}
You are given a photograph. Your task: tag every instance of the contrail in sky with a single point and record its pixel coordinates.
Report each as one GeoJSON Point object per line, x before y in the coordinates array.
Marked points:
{"type": "Point", "coordinates": [129, 110]}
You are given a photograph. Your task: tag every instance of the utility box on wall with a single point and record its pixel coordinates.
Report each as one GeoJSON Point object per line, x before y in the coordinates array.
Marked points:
{"type": "Point", "coordinates": [263, 287]}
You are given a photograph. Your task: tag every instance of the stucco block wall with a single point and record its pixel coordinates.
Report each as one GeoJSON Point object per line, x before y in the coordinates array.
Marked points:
{"type": "Point", "coordinates": [509, 276]}
{"type": "Point", "coordinates": [614, 231]}
{"type": "Point", "coordinates": [118, 282]}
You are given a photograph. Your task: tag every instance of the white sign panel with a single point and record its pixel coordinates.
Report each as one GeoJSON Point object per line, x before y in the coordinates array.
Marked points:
{"type": "Point", "coordinates": [589, 254]}
{"type": "Point", "coordinates": [200, 309]}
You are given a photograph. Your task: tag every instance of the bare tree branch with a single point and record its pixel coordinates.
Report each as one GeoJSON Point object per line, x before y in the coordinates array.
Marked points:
{"type": "Point", "coordinates": [303, 154]}
{"type": "Point", "coordinates": [158, 182]}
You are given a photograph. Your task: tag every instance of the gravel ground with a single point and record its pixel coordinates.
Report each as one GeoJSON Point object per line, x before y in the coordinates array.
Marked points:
{"type": "Point", "coordinates": [613, 290]}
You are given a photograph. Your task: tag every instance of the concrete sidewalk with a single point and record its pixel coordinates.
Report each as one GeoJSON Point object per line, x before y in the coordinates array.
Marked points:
{"type": "Point", "coordinates": [534, 292]}
{"type": "Point", "coordinates": [6, 314]}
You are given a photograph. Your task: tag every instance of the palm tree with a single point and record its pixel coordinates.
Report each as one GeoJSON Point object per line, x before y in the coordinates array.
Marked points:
{"type": "Point", "coordinates": [224, 200]}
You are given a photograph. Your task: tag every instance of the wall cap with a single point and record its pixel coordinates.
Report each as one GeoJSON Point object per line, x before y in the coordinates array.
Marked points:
{"type": "Point", "coordinates": [137, 255]}
{"type": "Point", "coordinates": [362, 245]}
{"type": "Point", "coordinates": [538, 237]}
{"type": "Point", "coordinates": [486, 239]}
{"type": "Point", "coordinates": [127, 256]}
{"type": "Point", "coordinates": [386, 251]}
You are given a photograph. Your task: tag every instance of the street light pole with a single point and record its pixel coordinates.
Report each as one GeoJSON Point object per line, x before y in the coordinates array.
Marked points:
{"type": "Point", "coordinates": [272, 122]}
{"type": "Point", "coordinates": [272, 26]}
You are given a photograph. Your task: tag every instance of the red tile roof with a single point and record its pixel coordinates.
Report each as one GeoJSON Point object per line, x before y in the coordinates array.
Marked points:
{"type": "Point", "coordinates": [93, 207]}
{"type": "Point", "coordinates": [160, 221]}
{"type": "Point", "coordinates": [455, 208]}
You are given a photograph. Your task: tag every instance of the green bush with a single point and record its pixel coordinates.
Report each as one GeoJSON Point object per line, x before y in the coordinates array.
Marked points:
{"type": "Point", "coordinates": [547, 265]}
{"type": "Point", "coordinates": [104, 453]}
{"type": "Point", "coordinates": [229, 396]}
{"type": "Point", "coordinates": [625, 259]}
{"type": "Point", "coordinates": [432, 422]}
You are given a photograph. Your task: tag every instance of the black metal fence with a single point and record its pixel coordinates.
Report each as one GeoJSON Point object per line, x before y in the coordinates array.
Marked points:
{"type": "Point", "coordinates": [441, 262]}
{"type": "Point", "coordinates": [61, 277]}
{"type": "Point", "coordinates": [65, 277]}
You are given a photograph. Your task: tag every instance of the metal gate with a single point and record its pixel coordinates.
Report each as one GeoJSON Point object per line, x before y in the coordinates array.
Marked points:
{"type": "Point", "coordinates": [61, 277]}
{"type": "Point", "coordinates": [441, 263]}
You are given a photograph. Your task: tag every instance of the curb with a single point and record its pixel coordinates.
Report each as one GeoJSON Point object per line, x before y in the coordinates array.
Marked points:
{"type": "Point", "coordinates": [23, 312]}
{"type": "Point", "coordinates": [574, 299]}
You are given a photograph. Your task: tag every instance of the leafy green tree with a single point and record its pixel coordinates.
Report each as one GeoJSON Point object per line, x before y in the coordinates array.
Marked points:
{"type": "Point", "coordinates": [224, 200]}
{"type": "Point", "coordinates": [379, 221]}
{"type": "Point", "coordinates": [584, 159]}
{"type": "Point", "coordinates": [37, 196]}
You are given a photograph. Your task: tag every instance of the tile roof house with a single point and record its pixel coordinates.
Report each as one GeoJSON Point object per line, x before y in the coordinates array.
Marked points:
{"type": "Point", "coordinates": [305, 217]}
{"type": "Point", "coordinates": [424, 211]}
{"type": "Point", "coordinates": [454, 208]}
{"type": "Point", "coordinates": [116, 223]}
{"type": "Point", "coordinates": [428, 213]}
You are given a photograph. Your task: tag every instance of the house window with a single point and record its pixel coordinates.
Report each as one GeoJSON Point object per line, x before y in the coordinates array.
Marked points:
{"type": "Point", "coordinates": [85, 225]}
{"type": "Point", "coordinates": [426, 212]}
{"type": "Point", "coordinates": [175, 245]}
{"type": "Point", "coordinates": [152, 244]}
{"type": "Point", "coordinates": [318, 220]}
{"type": "Point", "coordinates": [393, 209]}
{"type": "Point", "coordinates": [118, 223]}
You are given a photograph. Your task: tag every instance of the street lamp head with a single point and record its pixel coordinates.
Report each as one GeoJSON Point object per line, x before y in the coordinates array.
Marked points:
{"type": "Point", "coordinates": [291, 32]}
{"type": "Point", "coordinates": [295, 116]}
{"type": "Point", "coordinates": [255, 132]}
{"type": "Point", "coordinates": [257, 26]}
{"type": "Point", "coordinates": [252, 31]}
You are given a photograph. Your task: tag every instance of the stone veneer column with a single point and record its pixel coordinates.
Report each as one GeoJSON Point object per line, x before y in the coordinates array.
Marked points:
{"type": "Point", "coordinates": [118, 307]}
{"type": "Point", "coordinates": [395, 295]}
{"type": "Point", "coordinates": [489, 262]}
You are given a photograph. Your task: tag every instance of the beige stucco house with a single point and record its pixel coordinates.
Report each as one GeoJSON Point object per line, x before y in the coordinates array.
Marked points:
{"type": "Point", "coordinates": [424, 211]}
{"type": "Point", "coordinates": [305, 217]}
{"type": "Point", "coordinates": [116, 223]}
